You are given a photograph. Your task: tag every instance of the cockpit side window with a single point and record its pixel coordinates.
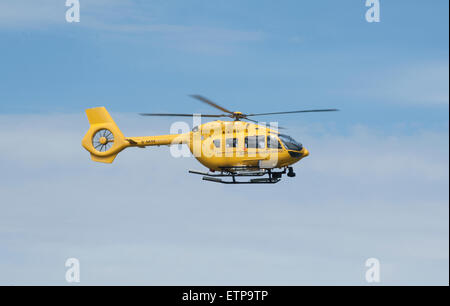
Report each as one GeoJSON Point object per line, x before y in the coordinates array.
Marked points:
{"type": "Point", "coordinates": [273, 143]}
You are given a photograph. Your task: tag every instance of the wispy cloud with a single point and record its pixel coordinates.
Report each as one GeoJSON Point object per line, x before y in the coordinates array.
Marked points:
{"type": "Point", "coordinates": [29, 14]}
{"type": "Point", "coordinates": [417, 84]}
{"type": "Point", "coordinates": [102, 17]}
{"type": "Point", "coordinates": [190, 38]}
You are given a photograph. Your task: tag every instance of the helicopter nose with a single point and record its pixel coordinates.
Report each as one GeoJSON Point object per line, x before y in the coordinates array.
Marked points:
{"type": "Point", "coordinates": [305, 152]}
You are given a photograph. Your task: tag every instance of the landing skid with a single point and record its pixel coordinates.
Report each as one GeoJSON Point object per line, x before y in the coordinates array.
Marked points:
{"type": "Point", "coordinates": [272, 177]}
{"type": "Point", "coordinates": [252, 181]}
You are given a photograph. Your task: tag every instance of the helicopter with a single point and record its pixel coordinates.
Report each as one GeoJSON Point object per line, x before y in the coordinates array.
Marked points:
{"type": "Point", "coordinates": [237, 151]}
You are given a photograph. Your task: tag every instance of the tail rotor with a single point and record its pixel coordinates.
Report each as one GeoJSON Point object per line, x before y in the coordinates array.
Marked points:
{"type": "Point", "coordinates": [103, 140]}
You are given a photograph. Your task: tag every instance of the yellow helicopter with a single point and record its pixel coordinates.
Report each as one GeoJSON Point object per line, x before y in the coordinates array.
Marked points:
{"type": "Point", "coordinates": [229, 149]}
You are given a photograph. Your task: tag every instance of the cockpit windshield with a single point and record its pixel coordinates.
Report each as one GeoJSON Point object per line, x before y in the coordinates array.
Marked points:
{"type": "Point", "coordinates": [290, 143]}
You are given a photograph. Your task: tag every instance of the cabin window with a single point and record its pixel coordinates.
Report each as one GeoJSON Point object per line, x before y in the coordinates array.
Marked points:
{"type": "Point", "coordinates": [231, 142]}
{"type": "Point", "coordinates": [216, 143]}
{"type": "Point", "coordinates": [255, 142]}
{"type": "Point", "coordinates": [273, 142]}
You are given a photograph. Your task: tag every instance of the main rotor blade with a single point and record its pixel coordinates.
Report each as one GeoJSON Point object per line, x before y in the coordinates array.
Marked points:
{"type": "Point", "coordinates": [211, 103]}
{"type": "Point", "coordinates": [294, 112]}
{"type": "Point", "coordinates": [254, 121]}
{"type": "Point", "coordinates": [266, 125]}
{"type": "Point", "coordinates": [180, 115]}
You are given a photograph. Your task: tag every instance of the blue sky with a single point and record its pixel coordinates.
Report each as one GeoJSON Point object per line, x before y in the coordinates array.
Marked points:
{"type": "Point", "coordinates": [136, 56]}
{"type": "Point", "coordinates": [375, 185]}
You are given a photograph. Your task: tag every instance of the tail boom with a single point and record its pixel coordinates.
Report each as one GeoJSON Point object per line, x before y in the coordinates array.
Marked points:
{"type": "Point", "coordinates": [162, 140]}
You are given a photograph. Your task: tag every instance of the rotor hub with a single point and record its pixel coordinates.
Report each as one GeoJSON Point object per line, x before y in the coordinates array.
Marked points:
{"type": "Point", "coordinates": [103, 140]}
{"type": "Point", "coordinates": [238, 115]}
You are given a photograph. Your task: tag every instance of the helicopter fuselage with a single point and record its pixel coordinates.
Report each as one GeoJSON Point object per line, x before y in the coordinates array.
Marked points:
{"type": "Point", "coordinates": [224, 146]}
